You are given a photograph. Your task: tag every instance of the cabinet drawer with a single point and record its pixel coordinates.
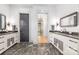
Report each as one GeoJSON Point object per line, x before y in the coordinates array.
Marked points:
{"type": "Point", "coordinates": [73, 40]}
{"type": "Point", "coordinates": [73, 43]}
{"type": "Point", "coordinates": [68, 50]}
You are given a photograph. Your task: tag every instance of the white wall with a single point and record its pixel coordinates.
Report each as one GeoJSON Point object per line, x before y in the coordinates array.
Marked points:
{"type": "Point", "coordinates": [5, 10]}
{"type": "Point", "coordinates": [65, 9]}
{"type": "Point", "coordinates": [52, 16]}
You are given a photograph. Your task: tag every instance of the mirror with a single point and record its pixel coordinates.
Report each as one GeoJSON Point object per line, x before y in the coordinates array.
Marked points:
{"type": "Point", "coordinates": [69, 20]}
{"type": "Point", "coordinates": [2, 22]}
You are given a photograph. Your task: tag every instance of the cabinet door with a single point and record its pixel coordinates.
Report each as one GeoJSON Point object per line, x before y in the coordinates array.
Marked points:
{"type": "Point", "coordinates": [2, 48]}
{"type": "Point", "coordinates": [51, 39]}
{"type": "Point", "coordinates": [60, 45]}
{"type": "Point", "coordinates": [8, 42]}
{"type": "Point", "coordinates": [55, 41]}
{"type": "Point", "coordinates": [12, 40]}
{"type": "Point", "coordinates": [16, 37]}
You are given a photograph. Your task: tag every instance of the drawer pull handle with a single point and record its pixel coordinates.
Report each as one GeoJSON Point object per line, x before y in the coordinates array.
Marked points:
{"type": "Point", "coordinates": [73, 49]}
{"type": "Point", "coordinates": [1, 49]}
{"type": "Point", "coordinates": [73, 41]}
{"type": "Point", "coordinates": [1, 42]}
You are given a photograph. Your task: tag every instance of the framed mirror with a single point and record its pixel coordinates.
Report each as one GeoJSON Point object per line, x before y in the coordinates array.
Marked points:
{"type": "Point", "coordinates": [69, 20]}
{"type": "Point", "coordinates": [2, 22]}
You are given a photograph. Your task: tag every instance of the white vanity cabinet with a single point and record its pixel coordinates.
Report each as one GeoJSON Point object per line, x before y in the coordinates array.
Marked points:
{"type": "Point", "coordinates": [66, 45]}
{"type": "Point", "coordinates": [7, 40]}
{"type": "Point", "coordinates": [2, 44]}
{"type": "Point", "coordinates": [16, 37]}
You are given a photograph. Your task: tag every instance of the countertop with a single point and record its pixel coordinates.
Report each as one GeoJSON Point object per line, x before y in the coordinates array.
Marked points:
{"type": "Point", "coordinates": [75, 36]}
{"type": "Point", "coordinates": [5, 33]}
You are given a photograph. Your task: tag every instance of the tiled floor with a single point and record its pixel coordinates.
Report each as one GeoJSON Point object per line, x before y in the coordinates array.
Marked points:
{"type": "Point", "coordinates": [32, 49]}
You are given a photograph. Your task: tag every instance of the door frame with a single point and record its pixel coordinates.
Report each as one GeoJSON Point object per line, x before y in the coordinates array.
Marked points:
{"type": "Point", "coordinates": [19, 25]}
{"type": "Point", "coordinates": [47, 22]}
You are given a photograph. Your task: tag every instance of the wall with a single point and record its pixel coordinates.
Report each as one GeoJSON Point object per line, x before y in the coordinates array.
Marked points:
{"type": "Point", "coordinates": [52, 16]}
{"type": "Point", "coordinates": [65, 9]}
{"type": "Point", "coordinates": [5, 10]}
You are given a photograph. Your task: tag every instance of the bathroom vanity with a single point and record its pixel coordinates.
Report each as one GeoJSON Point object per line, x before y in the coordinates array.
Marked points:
{"type": "Point", "coordinates": [7, 39]}
{"type": "Point", "coordinates": [67, 44]}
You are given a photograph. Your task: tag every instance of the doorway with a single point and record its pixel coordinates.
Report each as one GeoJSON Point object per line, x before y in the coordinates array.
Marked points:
{"type": "Point", "coordinates": [24, 27]}
{"type": "Point", "coordinates": [42, 28]}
